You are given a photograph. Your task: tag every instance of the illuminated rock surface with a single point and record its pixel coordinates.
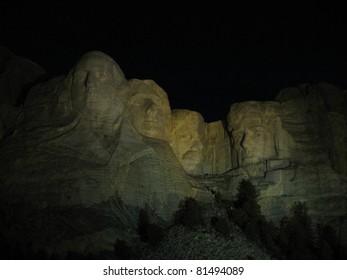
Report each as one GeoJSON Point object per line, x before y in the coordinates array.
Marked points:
{"type": "Point", "coordinates": [149, 109]}
{"type": "Point", "coordinates": [188, 140]}
{"type": "Point", "coordinates": [87, 151]}
{"type": "Point", "coordinates": [293, 150]}
{"type": "Point", "coordinates": [79, 153]}
{"type": "Point", "coordinates": [202, 148]}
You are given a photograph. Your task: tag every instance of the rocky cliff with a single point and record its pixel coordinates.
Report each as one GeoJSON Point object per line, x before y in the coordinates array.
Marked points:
{"type": "Point", "coordinates": [294, 149]}
{"type": "Point", "coordinates": [87, 151]}
{"type": "Point", "coordinates": [17, 76]}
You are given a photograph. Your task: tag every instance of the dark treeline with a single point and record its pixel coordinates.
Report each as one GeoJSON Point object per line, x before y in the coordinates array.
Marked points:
{"type": "Point", "coordinates": [295, 238]}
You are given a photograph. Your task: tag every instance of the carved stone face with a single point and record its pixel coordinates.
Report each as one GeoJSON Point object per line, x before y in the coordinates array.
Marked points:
{"type": "Point", "coordinates": [97, 85]}
{"type": "Point", "coordinates": [149, 109]}
{"type": "Point", "coordinates": [255, 130]}
{"type": "Point", "coordinates": [187, 139]}
{"type": "Point", "coordinates": [254, 141]}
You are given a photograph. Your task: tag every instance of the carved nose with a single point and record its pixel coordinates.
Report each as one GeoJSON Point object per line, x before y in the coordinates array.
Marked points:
{"type": "Point", "coordinates": [90, 80]}
{"type": "Point", "coordinates": [246, 141]}
{"type": "Point", "coordinates": [151, 108]}
{"type": "Point", "coordinates": [197, 145]}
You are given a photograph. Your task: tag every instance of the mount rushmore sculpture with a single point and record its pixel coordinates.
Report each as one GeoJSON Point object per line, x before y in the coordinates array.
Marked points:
{"type": "Point", "coordinates": [88, 150]}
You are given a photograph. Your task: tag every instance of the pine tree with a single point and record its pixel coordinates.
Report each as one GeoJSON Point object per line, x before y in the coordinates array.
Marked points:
{"type": "Point", "coordinates": [246, 210]}
{"type": "Point", "coordinates": [296, 234]}
{"type": "Point", "coordinates": [189, 213]}
{"type": "Point", "coordinates": [149, 233]}
{"type": "Point", "coordinates": [247, 215]}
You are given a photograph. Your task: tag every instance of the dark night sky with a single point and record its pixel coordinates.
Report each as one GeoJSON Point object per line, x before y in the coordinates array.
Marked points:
{"type": "Point", "coordinates": [206, 56]}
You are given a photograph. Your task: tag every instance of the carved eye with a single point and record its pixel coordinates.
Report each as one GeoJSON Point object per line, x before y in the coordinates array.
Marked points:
{"type": "Point", "coordinates": [258, 134]}
{"type": "Point", "coordinates": [186, 137]}
{"type": "Point", "coordinates": [102, 75]}
{"type": "Point", "coordinates": [237, 137]}
{"type": "Point", "coordinates": [80, 75]}
{"type": "Point", "coordinates": [138, 102]}
{"type": "Point", "coordinates": [148, 102]}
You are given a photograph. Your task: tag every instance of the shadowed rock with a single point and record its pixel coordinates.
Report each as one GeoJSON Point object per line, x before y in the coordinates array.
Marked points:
{"type": "Point", "coordinates": [90, 150]}
{"type": "Point", "coordinates": [17, 76]}
{"type": "Point", "coordinates": [56, 161]}
{"type": "Point", "coordinates": [294, 150]}
{"type": "Point", "coordinates": [85, 153]}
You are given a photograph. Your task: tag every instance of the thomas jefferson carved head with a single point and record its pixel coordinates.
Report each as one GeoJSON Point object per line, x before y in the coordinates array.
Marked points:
{"type": "Point", "coordinates": [149, 109]}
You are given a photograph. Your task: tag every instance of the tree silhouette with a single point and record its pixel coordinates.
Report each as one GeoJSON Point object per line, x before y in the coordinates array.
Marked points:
{"type": "Point", "coordinates": [296, 234]}
{"type": "Point", "coordinates": [189, 213]}
{"type": "Point", "coordinates": [149, 232]}
{"type": "Point", "coordinates": [246, 213]}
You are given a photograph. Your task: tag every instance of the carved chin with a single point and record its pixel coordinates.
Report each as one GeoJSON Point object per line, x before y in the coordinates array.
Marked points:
{"type": "Point", "coordinates": [191, 158]}
{"type": "Point", "coordinates": [190, 155]}
{"type": "Point", "coordinates": [150, 129]}
{"type": "Point", "coordinates": [153, 133]}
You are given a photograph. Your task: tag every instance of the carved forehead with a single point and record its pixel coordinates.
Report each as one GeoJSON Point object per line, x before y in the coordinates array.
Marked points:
{"type": "Point", "coordinates": [258, 113]}
{"type": "Point", "coordinates": [187, 120]}
{"type": "Point", "coordinates": [148, 89]}
{"type": "Point", "coordinates": [98, 62]}
{"type": "Point", "coordinates": [180, 116]}
{"type": "Point", "coordinates": [96, 56]}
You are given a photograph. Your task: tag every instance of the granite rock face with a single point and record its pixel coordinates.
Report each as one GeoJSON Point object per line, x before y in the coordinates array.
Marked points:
{"type": "Point", "coordinates": [87, 151]}
{"type": "Point", "coordinates": [294, 149]}
{"type": "Point", "coordinates": [17, 75]}
{"type": "Point", "coordinates": [188, 139]}
{"type": "Point", "coordinates": [202, 148]}
{"type": "Point", "coordinates": [218, 151]}
{"type": "Point", "coordinates": [149, 110]}
{"type": "Point", "coordinates": [54, 165]}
